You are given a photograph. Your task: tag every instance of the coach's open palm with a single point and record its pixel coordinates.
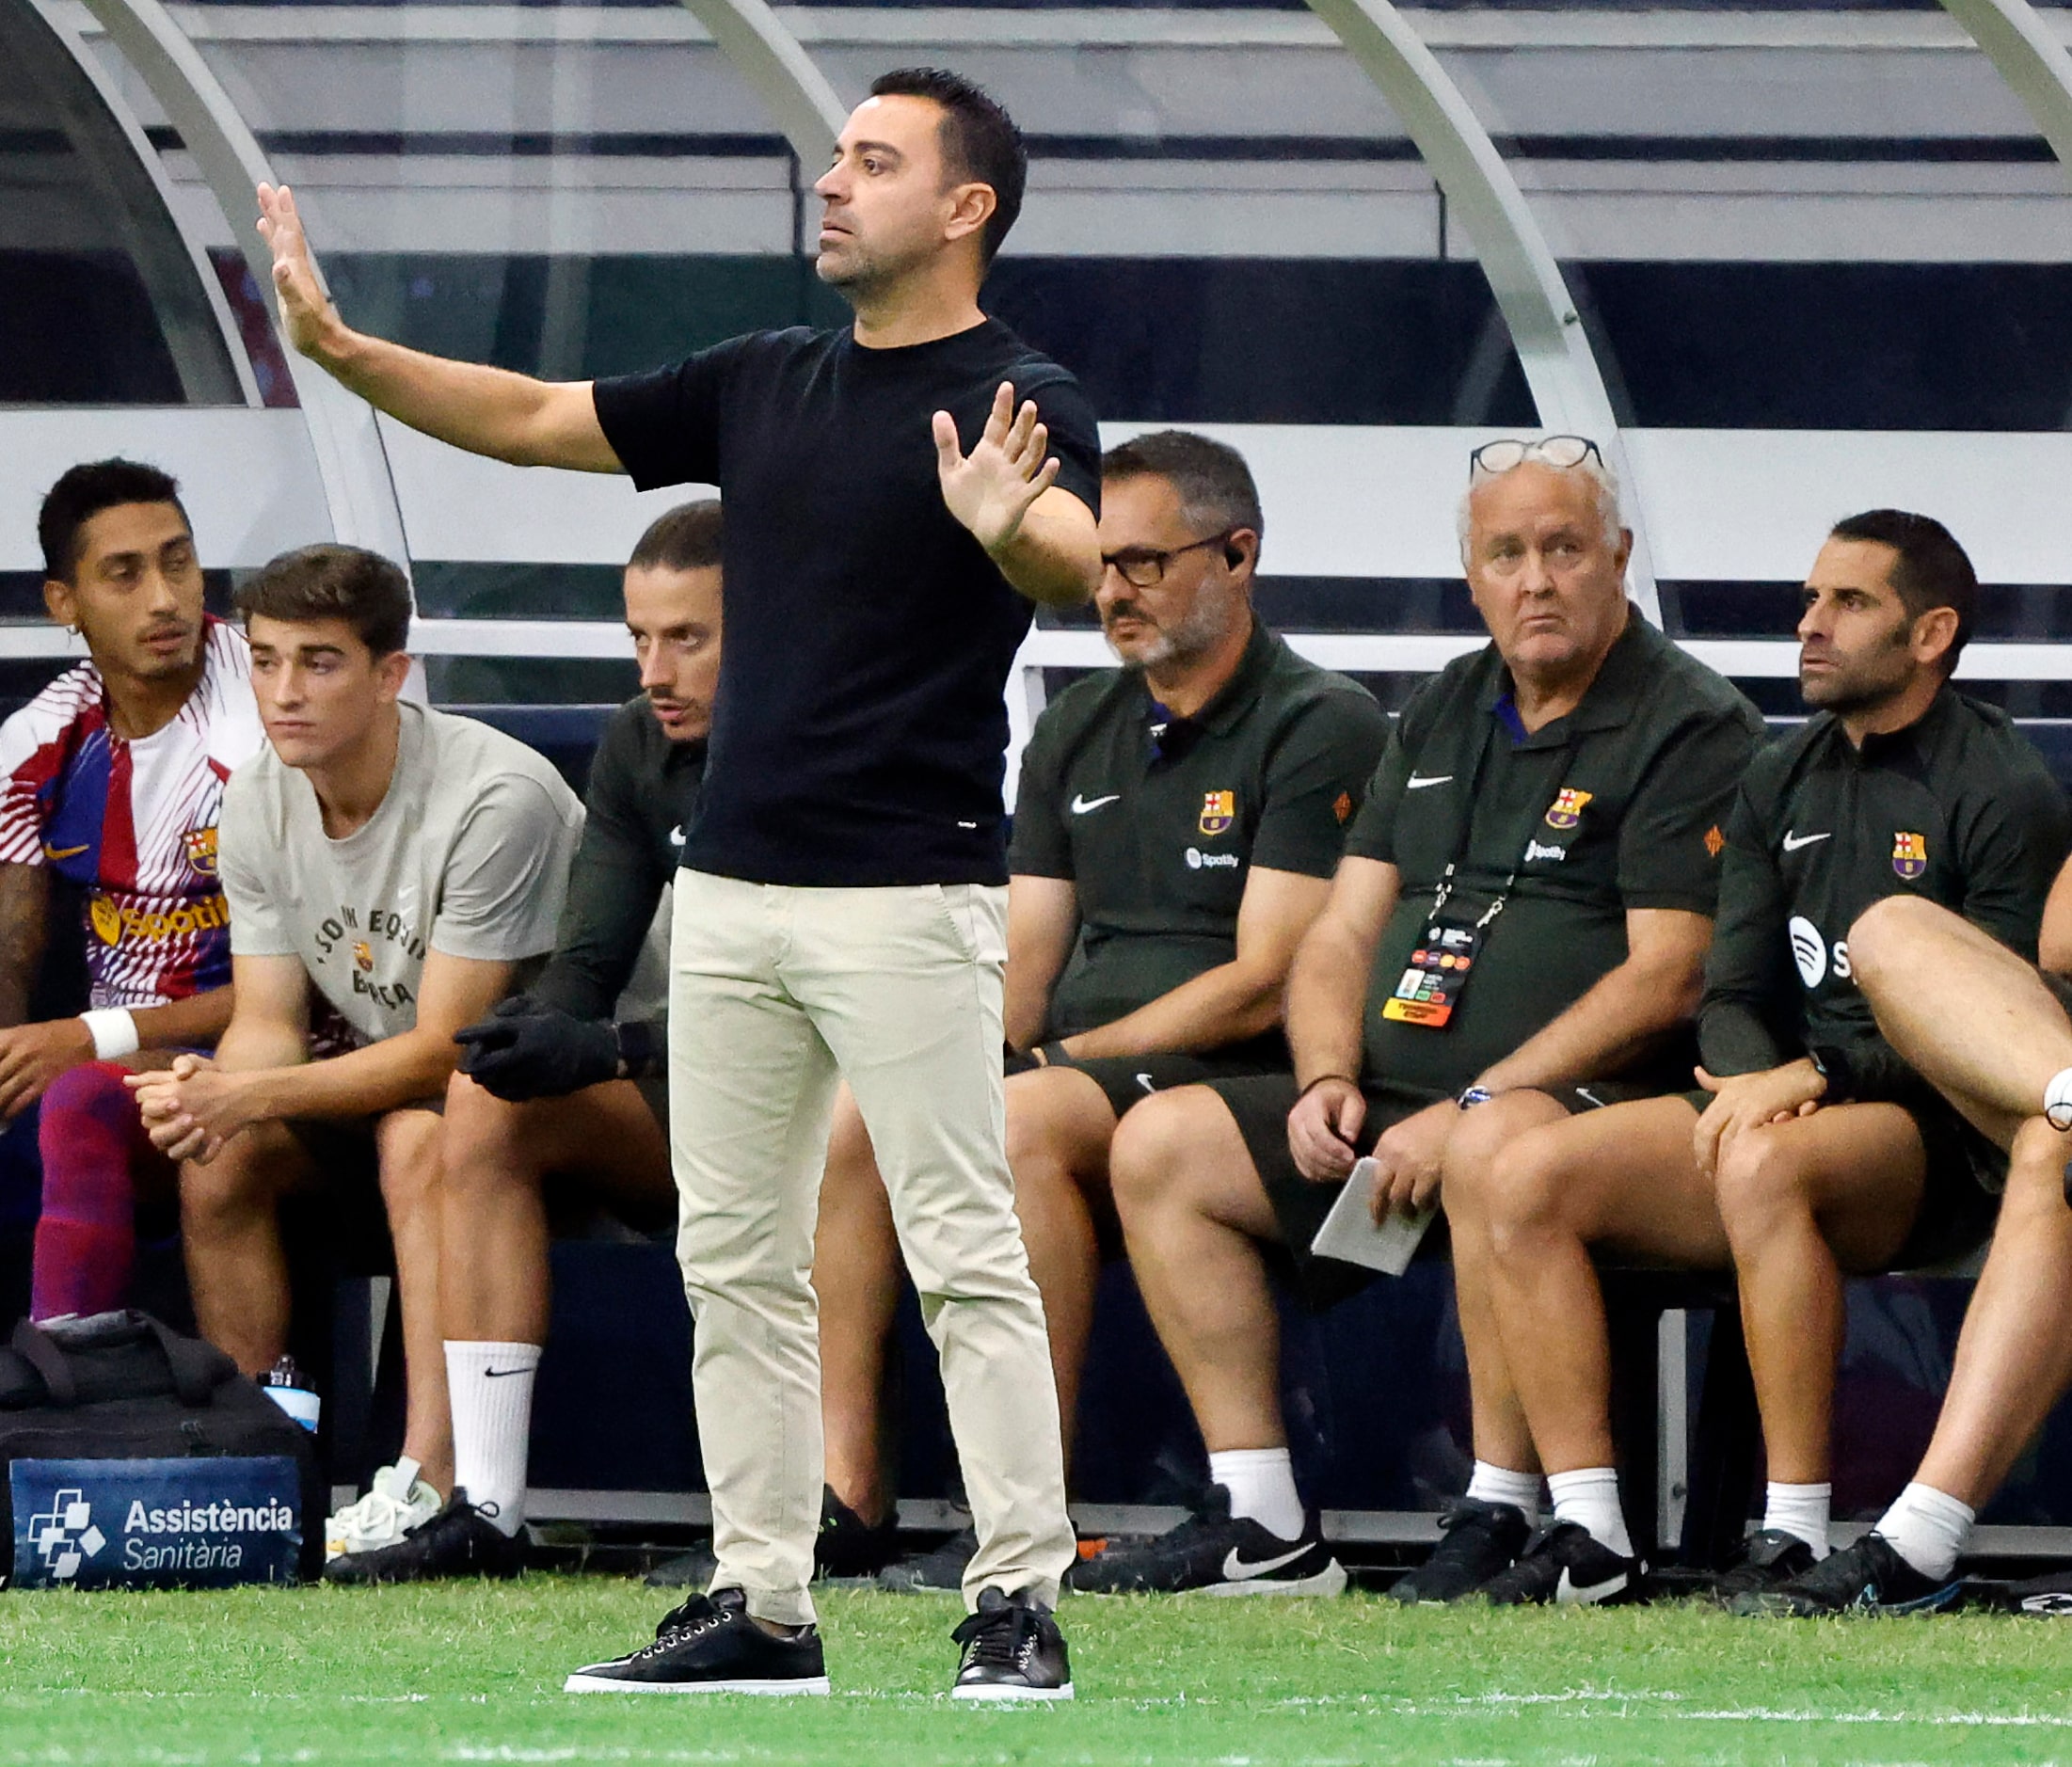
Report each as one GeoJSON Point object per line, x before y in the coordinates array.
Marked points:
{"type": "Point", "coordinates": [991, 488]}
{"type": "Point", "coordinates": [298, 291]}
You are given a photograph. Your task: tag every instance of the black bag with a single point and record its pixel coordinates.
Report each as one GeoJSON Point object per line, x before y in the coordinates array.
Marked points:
{"type": "Point", "coordinates": [134, 1457]}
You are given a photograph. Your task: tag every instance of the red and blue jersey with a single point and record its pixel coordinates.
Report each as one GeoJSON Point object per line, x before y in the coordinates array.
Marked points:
{"type": "Point", "coordinates": [133, 823]}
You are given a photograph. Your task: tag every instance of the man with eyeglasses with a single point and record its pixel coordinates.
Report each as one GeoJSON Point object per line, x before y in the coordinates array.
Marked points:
{"type": "Point", "coordinates": [1174, 836]}
{"type": "Point", "coordinates": [1814, 1151]}
{"type": "Point", "coordinates": [1516, 932]}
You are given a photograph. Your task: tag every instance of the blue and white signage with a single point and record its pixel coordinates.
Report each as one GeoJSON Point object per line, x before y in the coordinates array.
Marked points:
{"type": "Point", "coordinates": [138, 1525]}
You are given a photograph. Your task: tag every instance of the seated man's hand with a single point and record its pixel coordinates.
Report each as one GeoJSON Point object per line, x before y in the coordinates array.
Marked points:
{"type": "Point", "coordinates": [526, 1049]}
{"type": "Point", "coordinates": [1749, 1101]}
{"type": "Point", "coordinates": [1409, 1155]}
{"type": "Point", "coordinates": [32, 1055]}
{"type": "Point", "coordinates": [192, 1109]}
{"type": "Point", "coordinates": [1321, 1129]}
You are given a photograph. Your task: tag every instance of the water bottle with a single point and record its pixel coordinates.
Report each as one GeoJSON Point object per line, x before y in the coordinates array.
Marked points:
{"type": "Point", "coordinates": [285, 1385]}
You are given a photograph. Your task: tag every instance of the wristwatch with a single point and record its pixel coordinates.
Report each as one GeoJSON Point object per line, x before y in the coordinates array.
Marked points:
{"type": "Point", "coordinates": [1473, 1095]}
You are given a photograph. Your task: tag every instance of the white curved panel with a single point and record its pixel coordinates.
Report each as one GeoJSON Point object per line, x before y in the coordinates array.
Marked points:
{"type": "Point", "coordinates": [358, 493]}
{"type": "Point", "coordinates": [2030, 58]}
{"type": "Point", "coordinates": [783, 76]}
{"type": "Point", "coordinates": [1546, 329]}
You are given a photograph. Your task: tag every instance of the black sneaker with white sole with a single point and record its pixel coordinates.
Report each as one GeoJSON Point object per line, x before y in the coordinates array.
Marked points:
{"type": "Point", "coordinates": [1477, 1541]}
{"type": "Point", "coordinates": [711, 1645]}
{"type": "Point", "coordinates": [1769, 1559]}
{"type": "Point", "coordinates": [461, 1541]}
{"type": "Point", "coordinates": [1565, 1564]}
{"type": "Point", "coordinates": [1212, 1552]}
{"type": "Point", "coordinates": [1013, 1649]}
{"type": "Point", "coordinates": [1867, 1578]}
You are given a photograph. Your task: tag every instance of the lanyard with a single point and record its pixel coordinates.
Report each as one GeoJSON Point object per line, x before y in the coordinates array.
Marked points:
{"type": "Point", "coordinates": [1565, 753]}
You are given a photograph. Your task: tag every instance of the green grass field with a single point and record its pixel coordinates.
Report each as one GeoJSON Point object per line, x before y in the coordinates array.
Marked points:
{"type": "Point", "coordinates": [472, 1674]}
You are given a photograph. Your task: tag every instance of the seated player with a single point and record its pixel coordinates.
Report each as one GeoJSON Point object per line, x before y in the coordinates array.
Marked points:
{"type": "Point", "coordinates": [112, 777]}
{"type": "Point", "coordinates": [1993, 1037]}
{"type": "Point", "coordinates": [396, 866]}
{"type": "Point", "coordinates": [1547, 810]}
{"type": "Point", "coordinates": [1815, 1150]}
{"type": "Point", "coordinates": [551, 1087]}
{"type": "Point", "coordinates": [1174, 834]}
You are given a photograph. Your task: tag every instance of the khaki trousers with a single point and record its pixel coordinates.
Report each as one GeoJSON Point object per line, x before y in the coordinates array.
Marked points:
{"type": "Point", "coordinates": [775, 992]}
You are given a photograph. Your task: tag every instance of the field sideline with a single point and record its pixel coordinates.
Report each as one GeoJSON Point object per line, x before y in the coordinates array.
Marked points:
{"type": "Point", "coordinates": [468, 1674]}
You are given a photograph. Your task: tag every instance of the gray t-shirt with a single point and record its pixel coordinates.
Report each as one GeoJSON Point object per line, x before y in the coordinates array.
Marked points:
{"type": "Point", "coordinates": [468, 854]}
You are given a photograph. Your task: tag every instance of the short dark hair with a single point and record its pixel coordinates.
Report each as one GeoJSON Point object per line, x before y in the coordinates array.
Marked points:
{"type": "Point", "coordinates": [83, 493]}
{"type": "Point", "coordinates": [1931, 570]}
{"type": "Point", "coordinates": [685, 538]}
{"type": "Point", "coordinates": [334, 583]}
{"type": "Point", "coordinates": [1215, 485]}
{"type": "Point", "coordinates": [980, 143]}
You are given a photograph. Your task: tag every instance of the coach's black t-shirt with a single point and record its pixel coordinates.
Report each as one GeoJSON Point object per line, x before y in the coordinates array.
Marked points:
{"type": "Point", "coordinates": [860, 723]}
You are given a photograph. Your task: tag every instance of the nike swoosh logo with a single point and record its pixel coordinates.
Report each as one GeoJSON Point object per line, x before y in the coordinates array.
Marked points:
{"type": "Point", "coordinates": [1144, 1080]}
{"type": "Point", "coordinates": [1567, 1590]}
{"type": "Point", "coordinates": [1793, 842]}
{"type": "Point", "coordinates": [676, 836]}
{"type": "Point", "coordinates": [1416, 784]}
{"type": "Point", "coordinates": [1235, 1569]}
{"type": "Point", "coordinates": [498, 1374]}
{"type": "Point", "coordinates": [65, 852]}
{"type": "Point", "coordinates": [1080, 805]}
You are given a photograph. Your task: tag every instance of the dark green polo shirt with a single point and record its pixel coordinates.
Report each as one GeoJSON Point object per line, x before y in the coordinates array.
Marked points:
{"type": "Point", "coordinates": [1617, 807]}
{"type": "Point", "coordinates": [1159, 821]}
{"type": "Point", "coordinates": [642, 790]}
{"type": "Point", "coordinates": [1956, 808]}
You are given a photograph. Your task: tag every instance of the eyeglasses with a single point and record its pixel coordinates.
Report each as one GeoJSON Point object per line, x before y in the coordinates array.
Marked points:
{"type": "Point", "coordinates": [1141, 567]}
{"type": "Point", "coordinates": [1496, 457]}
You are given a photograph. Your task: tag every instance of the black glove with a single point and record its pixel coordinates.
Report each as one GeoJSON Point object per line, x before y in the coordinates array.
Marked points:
{"type": "Point", "coordinates": [527, 1049]}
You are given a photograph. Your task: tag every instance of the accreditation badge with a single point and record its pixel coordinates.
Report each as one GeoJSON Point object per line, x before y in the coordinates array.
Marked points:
{"type": "Point", "coordinates": [1432, 985]}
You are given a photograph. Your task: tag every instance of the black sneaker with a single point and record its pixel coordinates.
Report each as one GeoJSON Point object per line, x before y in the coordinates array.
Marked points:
{"type": "Point", "coordinates": [711, 1645]}
{"type": "Point", "coordinates": [1012, 1651]}
{"type": "Point", "coordinates": [846, 1545]}
{"type": "Point", "coordinates": [1563, 1563]}
{"type": "Point", "coordinates": [1212, 1554]}
{"type": "Point", "coordinates": [1768, 1560]}
{"type": "Point", "coordinates": [1477, 1541]}
{"type": "Point", "coordinates": [461, 1541]}
{"type": "Point", "coordinates": [1867, 1578]}
{"type": "Point", "coordinates": [941, 1569]}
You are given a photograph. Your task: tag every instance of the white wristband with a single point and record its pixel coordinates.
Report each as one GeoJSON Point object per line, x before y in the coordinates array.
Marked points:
{"type": "Point", "coordinates": [112, 1030]}
{"type": "Point", "coordinates": [2057, 1101]}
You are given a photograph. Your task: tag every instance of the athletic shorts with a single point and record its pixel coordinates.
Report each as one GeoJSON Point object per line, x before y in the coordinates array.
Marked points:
{"type": "Point", "coordinates": [1127, 1079]}
{"type": "Point", "coordinates": [1260, 1104]}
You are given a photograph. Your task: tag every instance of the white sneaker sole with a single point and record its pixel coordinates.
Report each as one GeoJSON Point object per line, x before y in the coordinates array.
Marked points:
{"type": "Point", "coordinates": [581, 1683]}
{"type": "Point", "coordinates": [996, 1696]}
{"type": "Point", "coordinates": [1332, 1579]}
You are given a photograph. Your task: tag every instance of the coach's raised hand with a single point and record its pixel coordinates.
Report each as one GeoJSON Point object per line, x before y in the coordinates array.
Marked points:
{"type": "Point", "coordinates": [484, 410]}
{"type": "Point", "coordinates": [1002, 492]}
{"type": "Point", "coordinates": [307, 314]}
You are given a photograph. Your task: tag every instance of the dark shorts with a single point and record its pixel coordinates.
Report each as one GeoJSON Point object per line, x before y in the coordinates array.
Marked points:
{"type": "Point", "coordinates": [1128, 1079]}
{"type": "Point", "coordinates": [1260, 1106]}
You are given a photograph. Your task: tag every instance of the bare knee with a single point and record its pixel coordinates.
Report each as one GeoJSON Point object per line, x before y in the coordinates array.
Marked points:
{"type": "Point", "coordinates": [2036, 1173]}
{"type": "Point", "coordinates": [1885, 939]}
{"type": "Point", "coordinates": [1526, 1196]}
{"type": "Point", "coordinates": [483, 1143]}
{"type": "Point", "coordinates": [1480, 1151]}
{"type": "Point", "coordinates": [239, 1180]}
{"type": "Point", "coordinates": [408, 1144]}
{"type": "Point", "coordinates": [1158, 1146]}
{"type": "Point", "coordinates": [1760, 1182]}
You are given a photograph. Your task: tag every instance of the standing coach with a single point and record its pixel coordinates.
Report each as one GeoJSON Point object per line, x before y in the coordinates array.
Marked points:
{"type": "Point", "coordinates": [891, 515]}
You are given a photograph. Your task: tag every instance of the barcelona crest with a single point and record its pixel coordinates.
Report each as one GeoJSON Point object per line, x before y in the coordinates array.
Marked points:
{"type": "Point", "coordinates": [202, 850]}
{"type": "Point", "coordinates": [1567, 807]}
{"type": "Point", "coordinates": [1909, 854]}
{"type": "Point", "coordinates": [1218, 811]}
{"type": "Point", "coordinates": [363, 955]}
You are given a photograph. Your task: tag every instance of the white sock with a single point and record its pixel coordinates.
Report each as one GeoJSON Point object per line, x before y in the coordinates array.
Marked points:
{"type": "Point", "coordinates": [1589, 1497]}
{"type": "Point", "coordinates": [1261, 1482]}
{"type": "Point", "coordinates": [1928, 1529]}
{"type": "Point", "coordinates": [491, 1388]}
{"type": "Point", "coordinates": [1500, 1484]}
{"type": "Point", "coordinates": [1799, 1510]}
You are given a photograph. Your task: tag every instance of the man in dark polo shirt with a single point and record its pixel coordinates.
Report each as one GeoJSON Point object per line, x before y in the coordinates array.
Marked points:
{"type": "Point", "coordinates": [551, 1085]}
{"type": "Point", "coordinates": [898, 493]}
{"type": "Point", "coordinates": [1548, 811]}
{"type": "Point", "coordinates": [1175, 832]}
{"type": "Point", "coordinates": [1815, 1150]}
